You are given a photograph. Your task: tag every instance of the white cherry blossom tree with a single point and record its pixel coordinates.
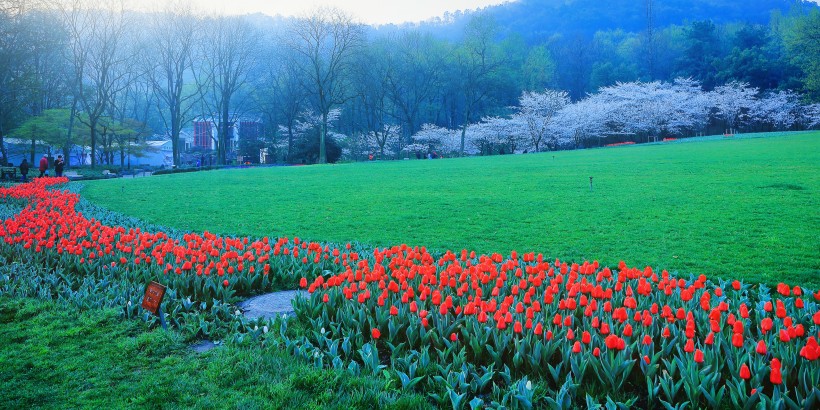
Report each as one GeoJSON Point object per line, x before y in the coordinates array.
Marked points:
{"type": "Point", "coordinates": [536, 111]}
{"type": "Point", "coordinates": [780, 110]}
{"type": "Point", "coordinates": [734, 103]}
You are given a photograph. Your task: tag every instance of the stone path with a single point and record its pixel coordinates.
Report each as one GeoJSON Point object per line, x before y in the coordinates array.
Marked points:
{"type": "Point", "coordinates": [270, 304]}
{"type": "Point", "coordinates": [203, 346]}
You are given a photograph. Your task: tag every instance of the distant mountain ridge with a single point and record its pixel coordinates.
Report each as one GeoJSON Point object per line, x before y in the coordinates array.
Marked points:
{"type": "Point", "coordinates": [540, 19]}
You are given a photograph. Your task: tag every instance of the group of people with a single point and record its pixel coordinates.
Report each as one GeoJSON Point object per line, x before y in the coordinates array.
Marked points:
{"type": "Point", "coordinates": [59, 165]}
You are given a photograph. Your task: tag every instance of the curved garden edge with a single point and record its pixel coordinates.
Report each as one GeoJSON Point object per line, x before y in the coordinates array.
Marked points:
{"type": "Point", "coordinates": [517, 331]}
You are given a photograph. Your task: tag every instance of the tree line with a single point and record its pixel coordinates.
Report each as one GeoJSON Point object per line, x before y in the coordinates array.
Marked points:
{"type": "Point", "coordinates": [100, 78]}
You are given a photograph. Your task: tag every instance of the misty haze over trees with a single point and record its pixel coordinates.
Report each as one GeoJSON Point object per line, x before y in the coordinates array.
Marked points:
{"type": "Point", "coordinates": [521, 77]}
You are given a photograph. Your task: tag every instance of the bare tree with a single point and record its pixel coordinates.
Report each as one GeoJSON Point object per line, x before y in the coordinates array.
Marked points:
{"type": "Point", "coordinates": [477, 62]}
{"type": "Point", "coordinates": [31, 72]}
{"type": "Point", "coordinates": [416, 62]}
{"type": "Point", "coordinates": [101, 59]}
{"type": "Point", "coordinates": [326, 42]}
{"type": "Point", "coordinates": [371, 84]}
{"type": "Point", "coordinates": [228, 52]}
{"type": "Point", "coordinates": [172, 46]}
{"type": "Point", "coordinates": [280, 95]}
{"type": "Point", "coordinates": [651, 43]}
{"type": "Point", "coordinates": [129, 115]}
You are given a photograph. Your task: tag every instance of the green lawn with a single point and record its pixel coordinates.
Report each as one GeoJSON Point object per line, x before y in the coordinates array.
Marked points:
{"type": "Point", "coordinates": [735, 208]}
{"type": "Point", "coordinates": [52, 356]}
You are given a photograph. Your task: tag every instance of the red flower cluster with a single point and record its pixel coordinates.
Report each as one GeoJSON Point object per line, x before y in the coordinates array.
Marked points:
{"type": "Point", "coordinates": [616, 144]}
{"type": "Point", "coordinates": [630, 312]}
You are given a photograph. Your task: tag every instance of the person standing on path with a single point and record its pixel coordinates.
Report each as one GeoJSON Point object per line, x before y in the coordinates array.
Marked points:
{"type": "Point", "coordinates": [24, 169]}
{"type": "Point", "coordinates": [59, 164]}
{"type": "Point", "coordinates": [43, 165]}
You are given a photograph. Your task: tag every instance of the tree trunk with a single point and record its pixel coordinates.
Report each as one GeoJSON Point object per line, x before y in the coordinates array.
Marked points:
{"type": "Point", "coordinates": [223, 137]}
{"type": "Point", "coordinates": [175, 128]}
{"type": "Point", "coordinates": [322, 136]}
{"type": "Point", "coordinates": [464, 130]}
{"type": "Point", "coordinates": [67, 145]}
{"type": "Point", "coordinates": [3, 152]}
{"type": "Point", "coordinates": [93, 126]}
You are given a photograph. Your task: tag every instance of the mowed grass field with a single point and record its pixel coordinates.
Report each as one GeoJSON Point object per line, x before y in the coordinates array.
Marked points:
{"type": "Point", "coordinates": [746, 208]}
{"type": "Point", "coordinates": [54, 356]}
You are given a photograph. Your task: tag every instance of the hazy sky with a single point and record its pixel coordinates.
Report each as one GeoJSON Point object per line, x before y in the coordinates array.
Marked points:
{"type": "Point", "coordinates": [366, 11]}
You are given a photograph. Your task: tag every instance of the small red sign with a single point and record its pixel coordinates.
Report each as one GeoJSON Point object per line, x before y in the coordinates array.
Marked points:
{"type": "Point", "coordinates": [153, 297]}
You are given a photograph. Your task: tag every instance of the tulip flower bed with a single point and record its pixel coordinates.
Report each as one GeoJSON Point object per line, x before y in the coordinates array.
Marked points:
{"type": "Point", "coordinates": [517, 331]}
{"type": "Point", "coordinates": [52, 251]}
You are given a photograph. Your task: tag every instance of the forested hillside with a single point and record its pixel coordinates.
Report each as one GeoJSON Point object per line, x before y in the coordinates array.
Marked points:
{"type": "Point", "coordinates": [539, 19]}
{"type": "Point", "coordinates": [97, 84]}
{"type": "Point", "coordinates": [593, 43]}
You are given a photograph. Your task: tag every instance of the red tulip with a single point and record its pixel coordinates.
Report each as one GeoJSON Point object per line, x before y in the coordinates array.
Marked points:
{"type": "Point", "coordinates": [614, 343]}
{"type": "Point", "coordinates": [737, 327]}
{"type": "Point", "coordinates": [698, 356]}
{"type": "Point", "coordinates": [775, 376]}
{"type": "Point", "coordinates": [761, 347]}
{"type": "Point", "coordinates": [737, 340]}
{"type": "Point", "coordinates": [710, 339]}
{"type": "Point", "coordinates": [766, 325]}
{"type": "Point", "coordinates": [744, 311]}
{"type": "Point", "coordinates": [745, 374]}
{"type": "Point", "coordinates": [376, 333]}
{"type": "Point", "coordinates": [811, 351]}
{"type": "Point", "coordinates": [576, 348]}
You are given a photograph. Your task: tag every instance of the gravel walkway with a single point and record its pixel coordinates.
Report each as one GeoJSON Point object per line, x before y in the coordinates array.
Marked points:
{"type": "Point", "coordinates": [270, 304]}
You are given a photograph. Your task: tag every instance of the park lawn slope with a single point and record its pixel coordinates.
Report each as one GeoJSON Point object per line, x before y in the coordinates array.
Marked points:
{"type": "Point", "coordinates": [55, 356]}
{"type": "Point", "coordinates": [741, 208]}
